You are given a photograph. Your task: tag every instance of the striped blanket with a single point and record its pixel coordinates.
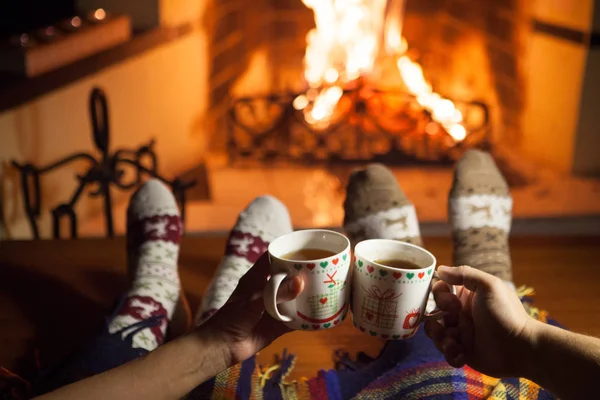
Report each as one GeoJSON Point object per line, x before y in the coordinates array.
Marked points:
{"type": "Point", "coordinates": [410, 369]}
{"type": "Point", "coordinates": [406, 369]}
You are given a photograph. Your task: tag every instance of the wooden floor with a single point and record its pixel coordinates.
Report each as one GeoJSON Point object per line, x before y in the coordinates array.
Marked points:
{"type": "Point", "coordinates": [54, 294]}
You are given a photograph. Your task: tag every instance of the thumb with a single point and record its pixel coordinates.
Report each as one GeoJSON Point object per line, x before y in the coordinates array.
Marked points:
{"type": "Point", "coordinates": [290, 289]}
{"type": "Point", "coordinates": [466, 276]}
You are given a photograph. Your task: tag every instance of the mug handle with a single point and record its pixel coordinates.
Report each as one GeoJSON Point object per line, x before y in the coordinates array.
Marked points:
{"type": "Point", "coordinates": [270, 296]}
{"type": "Point", "coordinates": [436, 314]}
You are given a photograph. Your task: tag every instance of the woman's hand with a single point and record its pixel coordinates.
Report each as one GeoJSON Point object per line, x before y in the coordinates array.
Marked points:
{"type": "Point", "coordinates": [242, 322]}
{"type": "Point", "coordinates": [236, 332]}
{"type": "Point", "coordinates": [485, 326]}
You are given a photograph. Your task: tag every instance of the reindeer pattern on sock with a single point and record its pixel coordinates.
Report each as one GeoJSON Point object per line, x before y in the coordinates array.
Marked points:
{"type": "Point", "coordinates": [395, 223]}
{"type": "Point", "coordinates": [157, 227]}
{"type": "Point", "coordinates": [143, 307]}
{"type": "Point", "coordinates": [401, 221]}
{"type": "Point", "coordinates": [478, 211]}
{"type": "Point", "coordinates": [486, 209]}
{"type": "Point", "coordinates": [246, 245]}
{"type": "Point", "coordinates": [162, 227]}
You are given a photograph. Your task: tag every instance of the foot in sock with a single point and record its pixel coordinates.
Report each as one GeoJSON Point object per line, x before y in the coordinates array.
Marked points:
{"type": "Point", "coordinates": [377, 208]}
{"type": "Point", "coordinates": [479, 208]}
{"type": "Point", "coordinates": [154, 231]}
{"type": "Point", "coordinates": [263, 220]}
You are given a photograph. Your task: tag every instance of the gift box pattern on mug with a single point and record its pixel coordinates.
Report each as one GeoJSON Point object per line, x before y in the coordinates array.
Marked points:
{"type": "Point", "coordinates": [379, 305]}
{"type": "Point", "coordinates": [378, 308]}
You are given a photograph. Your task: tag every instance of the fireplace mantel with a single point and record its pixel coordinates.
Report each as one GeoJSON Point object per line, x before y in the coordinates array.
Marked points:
{"type": "Point", "coordinates": [15, 91]}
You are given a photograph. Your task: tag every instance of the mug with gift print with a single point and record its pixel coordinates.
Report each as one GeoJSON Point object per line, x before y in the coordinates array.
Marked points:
{"type": "Point", "coordinates": [322, 259]}
{"type": "Point", "coordinates": [390, 288]}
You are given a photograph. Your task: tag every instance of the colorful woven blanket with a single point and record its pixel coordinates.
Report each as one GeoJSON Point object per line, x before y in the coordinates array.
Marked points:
{"type": "Point", "coordinates": [406, 369]}
{"type": "Point", "coordinates": [410, 369]}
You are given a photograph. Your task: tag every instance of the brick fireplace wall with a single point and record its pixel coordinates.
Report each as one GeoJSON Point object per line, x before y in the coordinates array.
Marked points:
{"type": "Point", "coordinates": [533, 62]}
{"type": "Point", "coordinates": [240, 30]}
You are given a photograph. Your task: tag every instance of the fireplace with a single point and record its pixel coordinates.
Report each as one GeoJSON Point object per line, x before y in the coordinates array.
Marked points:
{"type": "Point", "coordinates": [386, 107]}
{"type": "Point", "coordinates": [474, 55]}
{"type": "Point", "coordinates": [515, 77]}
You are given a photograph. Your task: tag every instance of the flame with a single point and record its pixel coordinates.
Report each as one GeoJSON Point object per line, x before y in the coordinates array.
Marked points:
{"type": "Point", "coordinates": [442, 110]}
{"type": "Point", "coordinates": [394, 42]}
{"type": "Point", "coordinates": [343, 47]}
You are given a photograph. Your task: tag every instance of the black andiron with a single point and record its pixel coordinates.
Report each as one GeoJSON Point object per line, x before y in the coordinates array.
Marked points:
{"type": "Point", "coordinates": [104, 171]}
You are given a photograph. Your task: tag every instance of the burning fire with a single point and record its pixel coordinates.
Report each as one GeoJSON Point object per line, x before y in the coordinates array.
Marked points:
{"type": "Point", "coordinates": [343, 47]}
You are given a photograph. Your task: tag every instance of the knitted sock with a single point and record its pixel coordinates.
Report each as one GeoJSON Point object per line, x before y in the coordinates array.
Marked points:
{"type": "Point", "coordinates": [480, 209]}
{"type": "Point", "coordinates": [377, 208]}
{"type": "Point", "coordinates": [263, 220]}
{"type": "Point", "coordinates": [154, 231]}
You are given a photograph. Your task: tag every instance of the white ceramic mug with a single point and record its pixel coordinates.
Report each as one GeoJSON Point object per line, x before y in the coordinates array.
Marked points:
{"type": "Point", "coordinates": [390, 302]}
{"type": "Point", "coordinates": [324, 302]}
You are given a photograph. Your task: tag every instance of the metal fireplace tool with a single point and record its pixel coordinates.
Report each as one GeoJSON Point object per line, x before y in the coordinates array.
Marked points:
{"type": "Point", "coordinates": [104, 171]}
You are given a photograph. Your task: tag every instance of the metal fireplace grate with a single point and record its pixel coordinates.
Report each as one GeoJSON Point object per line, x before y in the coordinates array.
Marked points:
{"type": "Point", "coordinates": [370, 125]}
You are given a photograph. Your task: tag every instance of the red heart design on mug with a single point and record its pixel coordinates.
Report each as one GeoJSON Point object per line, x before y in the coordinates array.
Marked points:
{"type": "Point", "coordinates": [323, 300]}
{"type": "Point", "coordinates": [311, 266]}
{"type": "Point", "coordinates": [337, 321]}
{"type": "Point", "coordinates": [369, 316]}
{"type": "Point", "coordinates": [361, 329]}
{"type": "Point", "coordinates": [397, 275]}
{"type": "Point", "coordinates": [335, 261]}
{"type": "Point", "coordinates": [370, 268]}
{"type": "Point", "coordinates": [315, 327]}
{"type": "Point", "coordinates": [385, 336]}
{"type": "Point", "coordinates": [421, 275]}
{"type": "Point", "coordinates": [406, 336]}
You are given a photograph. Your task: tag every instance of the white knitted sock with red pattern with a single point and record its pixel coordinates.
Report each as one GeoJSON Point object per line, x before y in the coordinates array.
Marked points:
{"type": "Point", "coordinates": [154, 231]}
{"type": "Point", "coordinates": [263, 220]}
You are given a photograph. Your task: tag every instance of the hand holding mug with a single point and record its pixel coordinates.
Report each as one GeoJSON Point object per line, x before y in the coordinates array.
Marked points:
{"type": "Point", "coordinates": [485, 326]}
{"type": "Point", "coordinates": [241, 323]}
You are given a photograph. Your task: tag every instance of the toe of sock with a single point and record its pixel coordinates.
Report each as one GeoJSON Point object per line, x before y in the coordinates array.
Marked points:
{"type": "Point", "coordinates": [152, 198]}
{"type": "Point", "coordinates": [376, 207]}
{"type": "Point", "coordinates": [371, 190]}
{"type": "Point", "coordinates": [477, 173]}
{"type": "Point", "coordinates": [266, 216]}
{"type": "Point", "coordinates": [152, 215]}
{"type": "Point", "coordinates": [266, 203]}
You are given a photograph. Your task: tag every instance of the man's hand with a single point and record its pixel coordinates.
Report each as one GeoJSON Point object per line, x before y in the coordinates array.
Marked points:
{"type": "Point", "coordinates": [242, 322]}
{"type": "Point", "coordinates": [485, 326]}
